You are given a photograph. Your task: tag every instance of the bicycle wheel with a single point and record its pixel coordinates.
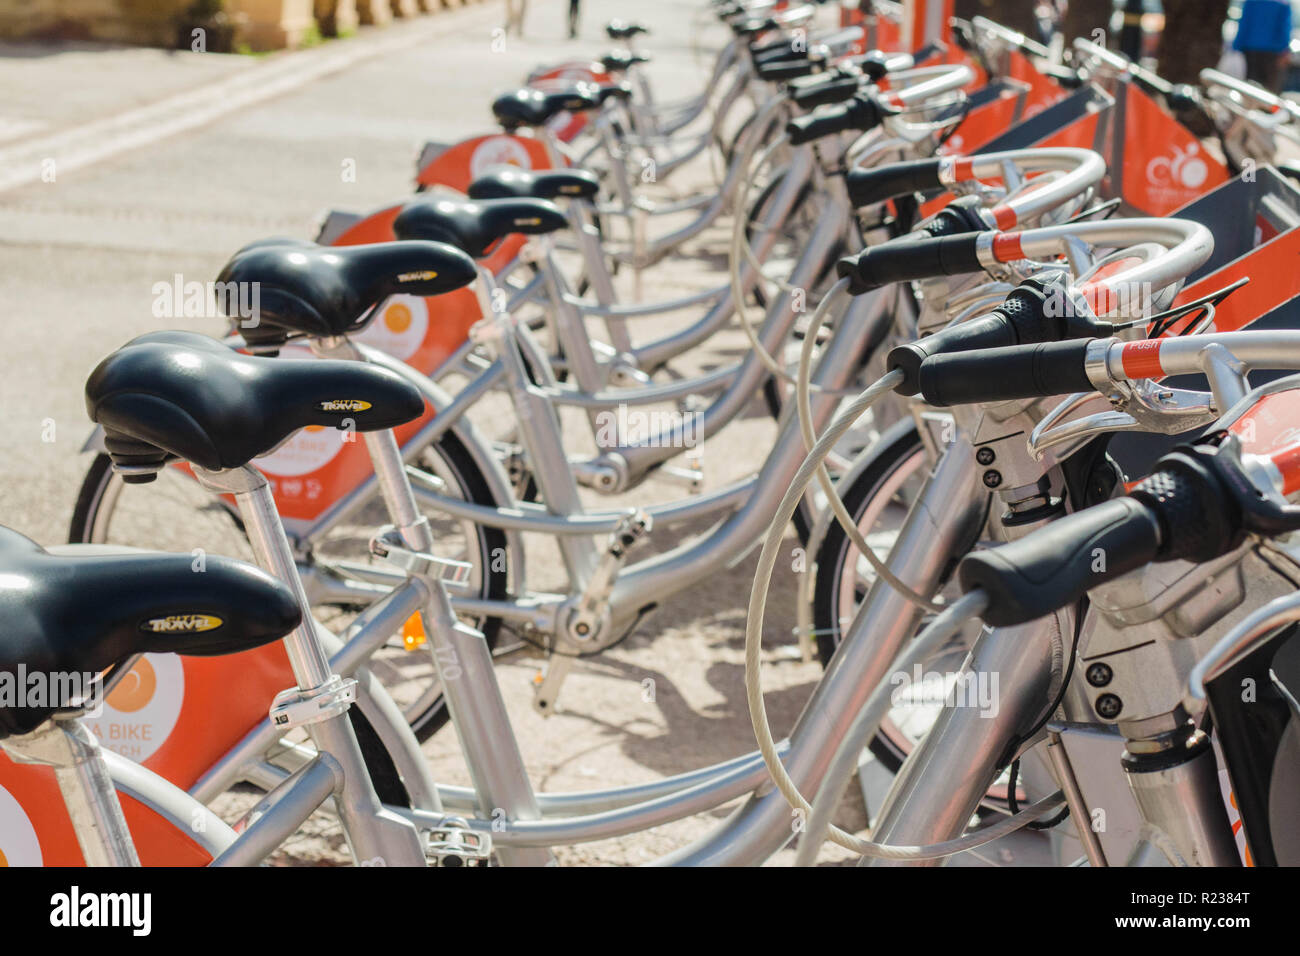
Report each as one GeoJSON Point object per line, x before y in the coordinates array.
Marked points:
{"type": "Point", "coordinates": [793, 239]}
{"type": "Point", "coordinates": [175, 513]}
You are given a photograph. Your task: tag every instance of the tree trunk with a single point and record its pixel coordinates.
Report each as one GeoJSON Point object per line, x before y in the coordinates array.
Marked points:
{"type": "Point", "coordinates": [1192, 38]}
{"type": "Point", "coordinates": [1083, 18]}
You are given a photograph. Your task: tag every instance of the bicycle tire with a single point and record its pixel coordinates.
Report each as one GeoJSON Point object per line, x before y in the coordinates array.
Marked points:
{"type": "Point", "coordinates": [472, 485]}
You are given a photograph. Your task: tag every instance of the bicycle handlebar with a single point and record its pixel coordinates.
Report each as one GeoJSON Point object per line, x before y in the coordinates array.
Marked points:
{"type": "Point", "coordinates": [826, 88]}
{"type": "Point", "coordinates": [878, 183]}
{"type": "Point", "coordinates": [1083, 168]}
{"type": "Point", "coordinates": [908, 258]}
{"type": "Point", "coordinates": [1254, 95]}
{"type": "Point", "coordinates": [914, 85]}
{"type": "Point", "coordinates": [861, 113]}
{"type": "Point", "coordinates": [1198, 504]}
{"type": "Point", "coordinates": [782, 70]}
{"type": "Point", "coordinates": [1188, 245]}
{"type": "Point", "coordinates": [845, 78]}
{"type": "Point", "coordinates": [1149, 81]}
{"type": "Point", "coordinates": [1110, 360]}
{"type": "Point", "coordinates": [1057, 564]}
{"type": "Point", "coordinates": [1033, 313]}
{"type": "Point", "coordinates": [875, 64]}
{"type": "Point", "coordinates": [1003, 374]}
{"type": "Point", "coordinates": [1035, 371]}
{"type": "Point", "coordinates": [1010, 37]}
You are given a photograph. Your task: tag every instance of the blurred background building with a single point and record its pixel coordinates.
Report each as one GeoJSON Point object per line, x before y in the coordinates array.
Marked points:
{"type": "Point", "coordinates": [224, 25]}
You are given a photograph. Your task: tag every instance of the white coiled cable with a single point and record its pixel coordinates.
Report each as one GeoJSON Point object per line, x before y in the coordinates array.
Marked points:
{"type": "Point", "coordinates": [753, 644]}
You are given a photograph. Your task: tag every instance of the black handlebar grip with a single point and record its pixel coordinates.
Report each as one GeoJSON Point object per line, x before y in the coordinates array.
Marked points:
{"type": "Point", "coordinates": [781, 52]}
{"type": "Point", "coordinates": [987, 332]}
{"type": "Point", "coordinates": [1059, 563]}
{"type": "Point", "coordinates": [867, 186]}
{"type": "Point", "coordinates": [759, 50]}
{"type": "Point", "coordinates": [958, 217]}
{"type": "Point", "coordinates": [901, 260]}
{"type": "Point", "coordinates": [787, 69]}
{"type": "Point", "coordinates": [859, 113]}
{"type": "Point", "coordinates": [1025, 317]}
{"type": "Point", "coordinates": [1184, 96]}
{"type": "Point", "coordinates": [823, 94]}
{"type": "Point", "coordinates": [1003, 374]}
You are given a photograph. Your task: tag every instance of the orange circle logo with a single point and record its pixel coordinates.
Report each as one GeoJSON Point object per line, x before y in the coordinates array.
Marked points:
{"type": "Point", "coordinates": [135, 689]}
{"type": "Point", "coordinates": [3, 861]}
{"type": "Point", "coordinates": [397, 317]}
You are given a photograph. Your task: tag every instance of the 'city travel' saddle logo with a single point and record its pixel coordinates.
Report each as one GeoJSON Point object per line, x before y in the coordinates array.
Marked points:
{"type": "Point", "coordinates": [344, 405]}
{"type": "Point", "coordinates": [535, 221]}
{"type": "Point", "coordinates": [421, 276]}
{"type": "Point", "coordinates": [182, 623]}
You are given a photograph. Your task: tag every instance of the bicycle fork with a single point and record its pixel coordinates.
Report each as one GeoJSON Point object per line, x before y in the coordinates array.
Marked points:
{"type": "Point", "coordinates": [944, 779]}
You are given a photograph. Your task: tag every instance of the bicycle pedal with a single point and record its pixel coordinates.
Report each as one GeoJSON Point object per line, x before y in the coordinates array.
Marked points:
{"type": "Point", "coordinates": [547, 682]}
{"type": "Point", "coordinates": [458, 846]}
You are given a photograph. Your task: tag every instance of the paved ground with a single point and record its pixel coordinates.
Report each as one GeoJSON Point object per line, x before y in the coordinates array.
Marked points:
{"type": "Point", "coordinates": [79, 256]}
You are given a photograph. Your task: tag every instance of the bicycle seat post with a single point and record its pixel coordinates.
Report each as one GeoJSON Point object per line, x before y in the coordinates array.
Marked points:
{"type": "Point", "coordinates": [69, 746]}
{"type": "Point", "coordinates": [271, 548]}
{"type": "Point", "coordinates": [322, 699]}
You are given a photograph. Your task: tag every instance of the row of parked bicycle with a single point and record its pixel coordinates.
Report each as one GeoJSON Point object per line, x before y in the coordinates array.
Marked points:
{"type": "Point", "coordinates": [1026, 338]}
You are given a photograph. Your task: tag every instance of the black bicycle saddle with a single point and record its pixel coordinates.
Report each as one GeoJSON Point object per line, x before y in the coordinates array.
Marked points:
{"type": "Point", "coordinates": [79, 614]}
{"type": "Point", "coordinates": [510, 182]}
{"type": "Point", "coordinates": [620, 61]}
{"type": "Point", "coordinates": [475, 226]}
{"type": "Point", "coordinates": [181, 395]}
{"type": "Point", "coordinates": [530, 107]}
{"type": "Point", "coordinates": [624, 29]}
{"type": "Point", "coordinates": [301, 288]}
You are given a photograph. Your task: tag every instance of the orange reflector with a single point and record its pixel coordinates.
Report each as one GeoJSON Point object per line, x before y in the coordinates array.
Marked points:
{"type": "Point", "coordinates": [413, 635]}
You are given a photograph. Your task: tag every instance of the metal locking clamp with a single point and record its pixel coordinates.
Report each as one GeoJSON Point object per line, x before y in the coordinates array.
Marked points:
{"type": "Point", "coordinates": [295, 707]}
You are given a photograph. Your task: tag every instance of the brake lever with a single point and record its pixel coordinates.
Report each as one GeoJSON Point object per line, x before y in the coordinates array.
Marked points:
{"type": "Point", "coordinates": [1077, 431]}
{"type": "Point", "coordinates": [1141, 405]}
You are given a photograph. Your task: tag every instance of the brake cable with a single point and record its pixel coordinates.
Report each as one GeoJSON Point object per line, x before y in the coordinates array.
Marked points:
{"type": "Point", "coordinates": [1102, 209]}
{"type": "Point", "coordinates": [836, 503]}
{"type": "Point", "coordinates": [740, 220]}
{"type": "Point", "coordinates": [753, 642]}
{"type": "Point", "coordinates": [1162, 322]}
